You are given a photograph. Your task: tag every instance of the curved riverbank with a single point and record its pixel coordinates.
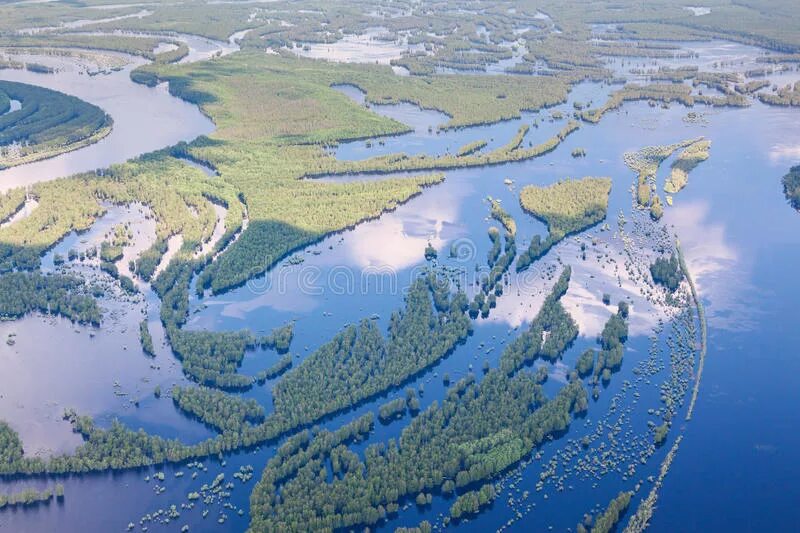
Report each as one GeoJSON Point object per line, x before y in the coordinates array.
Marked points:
{"type": "Point", "coordinates": [701, 315]}
{"type": "Point", "coordinates": [134, 109]}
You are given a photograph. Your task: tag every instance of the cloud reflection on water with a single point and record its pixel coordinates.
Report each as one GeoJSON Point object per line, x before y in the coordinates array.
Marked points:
{"type": "Point", "coordinates": [589, 281]}
{"type": "Point", "coordinates": [353, 263]}
{"type": "Point", "coordinates": [784, 152]}
{"type": "Point", "coordinates": [720, 272]}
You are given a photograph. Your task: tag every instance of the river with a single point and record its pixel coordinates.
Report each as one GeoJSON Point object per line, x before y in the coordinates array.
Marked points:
{"type": "Point", "coordinates": [145, 119]}
{"type": "Point", "coordinates": [740, 239]}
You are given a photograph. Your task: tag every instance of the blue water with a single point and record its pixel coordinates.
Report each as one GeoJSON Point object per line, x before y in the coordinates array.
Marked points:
{"type": "Point", "coordinates": [740, 240]}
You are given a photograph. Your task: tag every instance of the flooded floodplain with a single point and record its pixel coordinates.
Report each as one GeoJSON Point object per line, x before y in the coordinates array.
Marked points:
{"type": "Point", "coordinates": [740, 242]}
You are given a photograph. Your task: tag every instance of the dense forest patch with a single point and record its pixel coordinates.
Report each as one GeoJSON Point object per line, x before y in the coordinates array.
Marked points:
{"type": "Point", "coordinates": [23, 292]}
{"type": "Point", "coordinates": [47, 124]}
{"type": "Point", "coordinates": [567, 207]}
{"type": "Point", "coordinates": [791, 186]}
{"type": "Point", "coordinates": [687, 160]}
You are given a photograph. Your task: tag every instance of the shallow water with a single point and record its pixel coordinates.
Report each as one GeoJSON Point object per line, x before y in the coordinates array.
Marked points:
{"type": "Point", "coordinates": [741, 243]}
{"type": "Point", "coordinates": [75, 24]}
{"type": "Point", "coordinates": [94, 370]}
{"type": "Point", "coordinates": [361, 48]}
{"type": "Point", "coordinates": [200, 48]}
{"type": "Point", "coordinates": [145, 119]}
{"type": "Point", "coordinates": [710, 56]}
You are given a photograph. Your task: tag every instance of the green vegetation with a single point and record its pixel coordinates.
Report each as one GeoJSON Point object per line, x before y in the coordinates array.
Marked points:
{"type": "Point", "coordinates": [640, 520]}
{"type": "Point", "coordinates": [352, 367]}
{"type": "Point", "coordinates": [612, 340]}
{"type": "Point", "coordinates": [31, 497]}
{"type": "Point", "coordinates": [180, 198]}
{"type": "Point", "coordinates": [23, 292]}
{"type": "Point", "coordinates": [701, 316]}
{"type": "Point", "coordinates": [656, 208]}
{"type": "Point", "coordinates": [468, 100]}
{"type": "Point", "coordinates": [471, 502]}
{"type": "Point", "coordinates": [585, 363]}
{"type": "Point", "coordinates": [467, 149]}
{"type": "Point", "coordinates": [660, 434]}
{"type": "Point", "coordinates": [645, 162]}
{"type": "Point", "coordinates": [146, 339]}
{"type": "Point", "coordinates": [285, 213]}
{"type": "Point", "coordinates": [667, 272]}
{"type": "Point", "coordinates": [277, 119]}
{"type": "Point", "coordinates": [552, 318]}
{"type": "Point", "coordinates": [49, 123]}
{"type": "Point", "coordinates": [206, 19]}
{"type": "Point", "coordinates": [510, 152]}
{"type": "Point", "coordinates": [224, 412]}
{"type": "Point", "coordinates": [477, 432]}
{"type": "Point", "coordinates": [567, 207]}
{"type": "Point", "coordinates": [173, 56]}
{"type": "Point", "coordinates": [791, 186]}
{"type": "Point", "coordinates": [687, 160]}
{"type": "Point", "coordinates": [125, 282]}
{"type": "Point", "coordinates": [5, 103]}
{"type": "Point", "coordinates": [359, 362]}
{"type": "Point", "coordinates": [665, 93]}
{"type": "Point", "coordinates": [142, 449]}
{"type": "Point", "coordinates": [261, 149]}
{"type": "Point", "coordinates": [213, 358]}
{"type": "Point", "coordinates": [14, 17]}
{"type": "Point", "coordinates": [492, 284]}
{"type": "Point", "coordinates": [502, 216]}
{"type": "Point", "coordinates": [608, 520]}
{"type": "Point", "coordinates": [785, 96]}
{"type": "Point", "coordinates": [455, 55]}
{"type": "Point", "coordinates": [147, 262]}
{"type": "Point", "coordinates": [392, 409]}
{"type": "Point", "coordinates": [112, 251]}
{"type": "Point", "coordinates": [45, 42]}
{"type": "Point", "coordinates": [10, 445]}
{"type": "Point", "coordinates": [751, 86]}
{"type": "Point", "coordinates": [330, 207]}
{"type": "Point", "coordinates": [280, 339]}
{"type": "Point", "coordinates": [10, 202]}
{"type": "Point", "coordinates": [275, 370]}
{"type": "Point", "coordinates": [497, 246]}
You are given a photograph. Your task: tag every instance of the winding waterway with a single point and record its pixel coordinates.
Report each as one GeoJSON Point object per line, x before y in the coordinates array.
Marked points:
{"type": "Point", "coordinates": [145, 119]}
{"type": "Point", "coordinates": [739, 237]}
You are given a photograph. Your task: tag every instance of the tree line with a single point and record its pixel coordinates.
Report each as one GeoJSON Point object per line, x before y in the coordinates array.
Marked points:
{"type": "Point", "coordinates": [476, 432]}
{"type": "Point", "coordinates": [224, 412]}
{"type": "Point", "coordinates": [58, 294]}
{"type": "Point", "coordinates": [359, 362]}
{"type": "Point", "coordinates": [791, 186]}
{"type": "Point", "coordinates": [552, 318]}
{"type": "Point", "coordinates": [667, 272]}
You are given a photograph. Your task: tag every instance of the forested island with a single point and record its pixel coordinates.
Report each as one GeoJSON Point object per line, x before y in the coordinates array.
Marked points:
{"type": "Point", "coordinates": [566, 207]}
{"type": "Point", "coordinates": [48, 123]}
